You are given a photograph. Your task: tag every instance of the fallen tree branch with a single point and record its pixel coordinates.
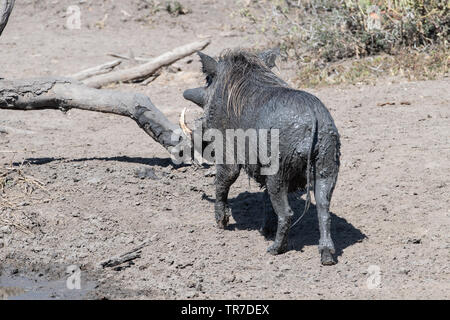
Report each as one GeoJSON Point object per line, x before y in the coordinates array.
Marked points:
{"type": "Point", "coordinates": [6, 7]}
{"type": "Point", "coordinates": [127, 256]}
{"type": "Point", "coordinates": [123, 57]}
{"type": "Point", "coordinates": [95, 71]}
{"type": "Point", "coordinates": [65, 94]}
{"type": "Point", "coordinates": [145, 70]}
{"type": "Point", "coordinates": [150, 79]}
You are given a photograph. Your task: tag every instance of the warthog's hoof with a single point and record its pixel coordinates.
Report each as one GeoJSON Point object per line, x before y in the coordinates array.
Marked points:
{"type": "Point", "coordinates": [276, 249]}
{"type": "Point", "coordinates": [327, 258]}
{"type": "Point", "coordinates": [223, 223]}
{"type": "Point", "coordinates": [222, 215]}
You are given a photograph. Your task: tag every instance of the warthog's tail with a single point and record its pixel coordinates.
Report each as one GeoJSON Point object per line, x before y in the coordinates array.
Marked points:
{"type": "Point", "coordinates": [308, 168]}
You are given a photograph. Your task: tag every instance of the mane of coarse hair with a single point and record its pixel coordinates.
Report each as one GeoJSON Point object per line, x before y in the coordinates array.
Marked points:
{"type": "Point", "coordinates": [245, 76]}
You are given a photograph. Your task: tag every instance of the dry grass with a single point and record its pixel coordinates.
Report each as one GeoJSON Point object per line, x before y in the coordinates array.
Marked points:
{"type": "Point", "coordinates": [409, 64]}
{"type": "Point", "coordinates": [331, 40]}
{"type": "Point", "coordinates": [14, 181]}
{"type": "Point", "coordinates": [17, 189]}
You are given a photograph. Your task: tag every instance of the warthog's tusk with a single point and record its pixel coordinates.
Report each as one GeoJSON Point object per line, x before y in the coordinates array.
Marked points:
{"type": "Point", "coordinates": [184, 127]}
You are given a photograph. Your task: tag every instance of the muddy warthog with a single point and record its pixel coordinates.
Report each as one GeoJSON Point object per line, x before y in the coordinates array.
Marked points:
{"type": "Point", "coordinates": [242, 93]}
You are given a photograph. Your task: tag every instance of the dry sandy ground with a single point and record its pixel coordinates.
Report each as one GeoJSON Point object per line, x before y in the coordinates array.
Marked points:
{"type": "Point", "coordinates": [390, 207]}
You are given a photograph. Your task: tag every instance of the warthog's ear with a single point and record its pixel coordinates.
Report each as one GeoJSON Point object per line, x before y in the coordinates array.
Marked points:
{"type": "Point", "coordinates": [209, 65]}
{"type": "Point", "coordinates": [269, 57]}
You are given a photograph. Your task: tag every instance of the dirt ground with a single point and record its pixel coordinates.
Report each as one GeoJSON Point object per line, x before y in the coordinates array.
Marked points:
{"type": "Point", "coordinates": [391, 213]}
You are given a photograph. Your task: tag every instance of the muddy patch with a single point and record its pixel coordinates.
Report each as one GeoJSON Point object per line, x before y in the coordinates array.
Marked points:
{"type": "Point", "coordinates": [15, 286]}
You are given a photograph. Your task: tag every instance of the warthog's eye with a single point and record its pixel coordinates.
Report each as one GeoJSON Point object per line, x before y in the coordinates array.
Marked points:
{"type": "Point", "coordinates": [209, 80]}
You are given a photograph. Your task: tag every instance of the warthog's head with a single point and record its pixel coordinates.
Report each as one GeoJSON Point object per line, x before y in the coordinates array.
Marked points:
{"type": "Point", "coordinates": [230, 78]}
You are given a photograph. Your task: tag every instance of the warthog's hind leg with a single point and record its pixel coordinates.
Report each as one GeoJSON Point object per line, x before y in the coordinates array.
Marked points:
{"type": "Point", "coordinates": [269, 227]}
{"type": "Point", "coordinates": [323, 191]}
{"type": "Point", "coordinates": [279, 197]}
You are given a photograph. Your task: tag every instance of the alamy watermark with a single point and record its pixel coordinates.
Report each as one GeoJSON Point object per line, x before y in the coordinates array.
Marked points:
{"type": "Point", "coordinates": [73, 21]}
{"type": "Point", "coordinates": [74, 280]}
{"type": "Point", "coordinates": [238, 146]}
{"type": "Point", "coordinates": [374, 279]}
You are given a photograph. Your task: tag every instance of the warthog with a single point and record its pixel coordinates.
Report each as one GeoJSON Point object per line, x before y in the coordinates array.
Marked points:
{"type": "Point", "coordinates": [243, 93]}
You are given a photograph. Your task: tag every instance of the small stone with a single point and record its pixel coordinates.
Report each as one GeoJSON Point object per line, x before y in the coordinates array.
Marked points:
{"type": "Point", "coordinates": [414, 241]}
{"type": "Point", "coordinates": [403, 271]}
{"type": "Point", "coordinates": [285, 267]}
{"type": "Point", "coordinates": [94, 181]}
{"type": "Point", "coordinates": [191, 294]}
{"type": "Point", "coordinates": [5, 230]}
{"type": "Point", "coordinates": [146, 173]}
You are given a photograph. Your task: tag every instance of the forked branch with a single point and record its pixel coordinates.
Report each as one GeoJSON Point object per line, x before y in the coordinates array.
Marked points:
{"type": "Point", "coordinates": [65, 94]}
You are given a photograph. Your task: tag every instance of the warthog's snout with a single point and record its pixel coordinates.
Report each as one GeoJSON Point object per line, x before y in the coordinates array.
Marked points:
{"type": "Point", "coordinates": [197, 96]}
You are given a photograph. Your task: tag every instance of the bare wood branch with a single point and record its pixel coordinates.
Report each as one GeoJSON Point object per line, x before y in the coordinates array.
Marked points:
{"type": "Point", "coordinates": [150, 79]}
{"type": "Point", "coordinates": [127, 256]}
{"type": "Point", "coordinates": [123, 57]}
{"type": "Point", "coordinates": [95, 71]}
{"type": "Point", "coordinates": [65, 94]}
{"type": "Point", "coordinates": [6, 7]}
{"type": "Point", "coordinates": [145, 70]}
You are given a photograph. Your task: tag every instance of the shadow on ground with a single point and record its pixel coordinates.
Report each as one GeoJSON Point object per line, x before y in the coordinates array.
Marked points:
{"type": "Point", "coordinates": [162, 162]}
{"type": "Point", "coordinates": [248, 210]}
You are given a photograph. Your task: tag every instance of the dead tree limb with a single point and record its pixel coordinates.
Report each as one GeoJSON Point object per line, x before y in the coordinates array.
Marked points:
{"type": "Point", "coordinates": [127, 256]}
{"type": "Point", "coordinates": [6, 7]}
{"type": "Point", "coordinates": [95, 71]}
{"type": "Point", "coordinates": [65, 94]}
{"type": "Point", "coordinates": [121, 56]}
{"type": "Point", "coordinates": [145, 70]}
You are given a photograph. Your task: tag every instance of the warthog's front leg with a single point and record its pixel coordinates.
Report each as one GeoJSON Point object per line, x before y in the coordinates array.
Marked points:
{"type": "Point", "coordinates": [226, 175]}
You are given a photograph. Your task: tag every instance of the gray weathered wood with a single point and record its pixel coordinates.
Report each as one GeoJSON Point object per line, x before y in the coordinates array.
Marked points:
{"type": "Point", "coordinates": [95, 71]}
{"type": "Point", "coordinates": [65, 94]}
{"type": "Point", "coordinates": [143, 71]}
{"type": "Point", "coordinates": [6, 7]}
{"type": "Point", "coordinates": [127, 256]}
